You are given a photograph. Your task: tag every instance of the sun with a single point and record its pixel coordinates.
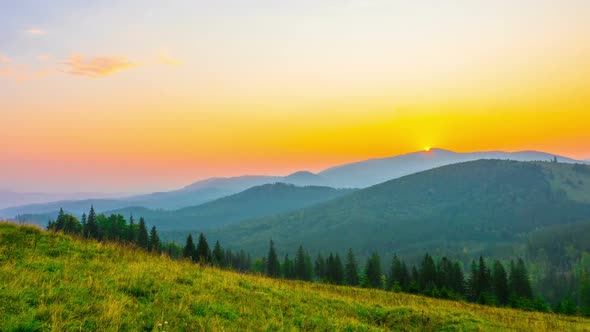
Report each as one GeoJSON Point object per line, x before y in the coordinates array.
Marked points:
{"type": "Point", "coordinates": [427, 149]}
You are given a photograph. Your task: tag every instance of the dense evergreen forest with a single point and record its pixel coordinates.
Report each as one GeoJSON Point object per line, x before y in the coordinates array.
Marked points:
{"type": "Point", "coordinates": [489, 282]}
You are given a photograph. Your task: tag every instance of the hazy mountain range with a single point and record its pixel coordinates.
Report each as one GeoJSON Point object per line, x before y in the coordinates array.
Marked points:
{"type": "Point", "coordinates": [484, 206]}
{"type": "Point", "coordinates": [11, 198]}
{"type": "Point", "coordinates": [353, 175]}
{"type": "Point", "coordinates": [255, 202]}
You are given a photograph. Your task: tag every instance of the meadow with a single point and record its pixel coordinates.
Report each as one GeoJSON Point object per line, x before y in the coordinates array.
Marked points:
{"type": "Point", "coordinates": [55, 282]}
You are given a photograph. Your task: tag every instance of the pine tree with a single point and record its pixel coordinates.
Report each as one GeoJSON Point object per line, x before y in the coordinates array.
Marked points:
{"type": "Point", "coordinates": [351, 270]}
{"type": "Point", "coordinates": [473, 283]}
{"type": "Point", "coordinates": [288, 268]}
{"type": "Point", "coordinates": [300, 264]}
{"type": "Point", "coordinates": [229, 259]}
{"type": "Point", "coordinates": [50, 225]}
{"type": "Point", "coordinates": [308, 271]}
{"type": "Point", "coordinates": [203, 252]}
{"type": "Point", "coordinates": [320, 268]}
{"type": "Point", "coordinates": [334, 270]}
{"type": "Point", "coordinates": [500, 283]}
{"type": "Point", "coordinates": [131, 235]}
{"type": "Point", "coordinates": [84, 224]}
{"type": "Point", "coordinates": [373, 271]}
{"type": "Point", "coordinates": [330, 268]}
{"type": "Point", "coordinates": [189, 250]}
{"type": "Point", "coordinates": [60, 221]}
{"type": "Point", "coordinates": [519, 282]}
{"type": "Point", "coordinates": [398, 275]}
{"type": "Point", "coordinates": [567, 306]}
{"type": "Point", "coordinates": [154, 240]}
{"type": "Point", "coordinates": [245, 261]}
{"type": "Point", "coordinates": [480, 283]}
{"type": "Point", "coordinates": [338, 270]}
{"type": "Point", "coordinates": [92, 224]}
{"type": "Point", "coordinates": [458, 279]}
{"type": "Point", "coordinates": [428, 274]}
{"type": "Point", "coordinates": [142, 235]}
{"type": "Point", "coordinates": [414, 285]}
{"type": "Point", "coordinates": [218, 255]}
{"type": "Point", "coordinates": [444, 274]}
{"type": "Point", "coordinates": [483, 276]}
{"type": "Point", "coordinates": [272, 262]}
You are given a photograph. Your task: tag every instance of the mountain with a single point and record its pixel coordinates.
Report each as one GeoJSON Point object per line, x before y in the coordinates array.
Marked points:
{"type": "Point", "coordinates": [373, 171]}
{"type": "Point", "coordinates": [255, 202]}
{"type": "Point", "coordinates": [191, 195]}
{"type": "Point", "coordinates": [484, 206]}
{"type": "Point", "coordinates": [58, 282]}
{"type": "Point", "coordinates": [354, 175]}
{"type": "Point", "coordinates": [11, 198]}
{"type": "Point", "coordinates": [76, 207]}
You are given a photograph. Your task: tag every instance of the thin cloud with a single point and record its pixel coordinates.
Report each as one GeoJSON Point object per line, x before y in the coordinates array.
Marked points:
{"type": "Point", "coordinates": [4, 59]}
{"type": "Point", "coordinates": [35, 32]}
{"type": "Point", "coordinates": [43, 57]}
{"type": "Point", "coordinates": [96, 66]}
{"type": "Point", "coordinates": [43, 73]}
{"type": "Point", "coordinates": [22, 73]}
{"type": "Point", "coordinates": [165, 58]}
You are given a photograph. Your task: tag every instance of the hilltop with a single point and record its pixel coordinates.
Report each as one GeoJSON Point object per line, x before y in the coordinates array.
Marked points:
{"type": "Point", "coordinates": [56, 282]}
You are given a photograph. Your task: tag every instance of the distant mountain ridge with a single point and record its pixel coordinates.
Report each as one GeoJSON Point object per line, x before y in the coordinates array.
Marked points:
{"type": "Point", "coordinates": [11, 198]}
{"type": "Point", "coordinates": [255, 202]}
{"type": "Point", "coordinates": [352, 175]}
{"type": "Point", "coordinates": [466, 208]}
{"type": "Point", "coordinates": [373, 171]}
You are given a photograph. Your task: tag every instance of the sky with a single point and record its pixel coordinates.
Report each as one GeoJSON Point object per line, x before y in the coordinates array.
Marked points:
{"type": "Point", "coordinates": [144, 95]}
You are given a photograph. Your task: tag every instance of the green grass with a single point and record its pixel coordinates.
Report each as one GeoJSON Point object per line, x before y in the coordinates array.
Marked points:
{"type": "Point", "coordinates": [55, 282]}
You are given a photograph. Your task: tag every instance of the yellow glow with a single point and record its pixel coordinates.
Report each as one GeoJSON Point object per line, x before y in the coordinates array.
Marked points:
{"type": "Point", "coordinates": [327, 85]}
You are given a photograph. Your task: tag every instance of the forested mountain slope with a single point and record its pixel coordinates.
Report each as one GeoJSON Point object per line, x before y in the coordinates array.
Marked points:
{"type": "Point", "coordinates": [259, 201]}
{"type": "Point", "coordinates": [466, 208]}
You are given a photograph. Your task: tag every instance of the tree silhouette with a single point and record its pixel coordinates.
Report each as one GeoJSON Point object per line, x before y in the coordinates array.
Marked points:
{"type": "Point", "coordinates": [373, 271]}
{"type": "Point", "coordinates": [500, 283]}
{"type": "Point", "coordinates": [154, 240]}
{"type": "Point", "coordinates": [203, 253]}
{"type": "Point", "coordinates": [142, 235]}
{"type": "Point", "coordinates": [218, 255]}
{"type": "Point", "coordinates": [189, 250]}
{"type": "Point", "coordinates": [272, 262]}
{"type": "Point", "coordinates": [351, 270]}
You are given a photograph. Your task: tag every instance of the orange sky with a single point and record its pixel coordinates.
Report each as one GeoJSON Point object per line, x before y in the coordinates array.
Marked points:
{"type": "Point", "coordinates": [158, 99]}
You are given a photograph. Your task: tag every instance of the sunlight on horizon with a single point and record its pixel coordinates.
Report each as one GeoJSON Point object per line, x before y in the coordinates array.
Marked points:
{"type": "Point", "coordinates": [118, 96]}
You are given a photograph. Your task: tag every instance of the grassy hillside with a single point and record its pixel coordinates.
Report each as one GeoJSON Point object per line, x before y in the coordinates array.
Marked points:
{"type": "Point", "coordinates": [54, 282]}
{"type": "Point", "coordinates": [483, 206]}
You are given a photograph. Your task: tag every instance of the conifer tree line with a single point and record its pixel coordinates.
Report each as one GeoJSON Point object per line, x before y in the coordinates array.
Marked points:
{"type": "Point", "coordinates": [109, 228]}
{"type": "Point", "coordinates": [489, 282]}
